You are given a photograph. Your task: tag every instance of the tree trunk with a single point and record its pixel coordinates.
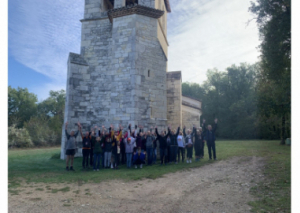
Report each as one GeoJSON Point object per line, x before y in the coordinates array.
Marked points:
{"type": "Point", "coordinates": [282, 142]}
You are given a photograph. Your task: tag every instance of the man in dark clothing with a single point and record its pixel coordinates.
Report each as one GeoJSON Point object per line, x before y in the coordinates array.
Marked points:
{"type": "Point", "coordinates": [86, 147]}
{"type": "Point", "coordinates": [162, 138]}
{"type": "Point", "coordinates": [210, 139]}
{"type": "Point", "coordinates": [173, 146]}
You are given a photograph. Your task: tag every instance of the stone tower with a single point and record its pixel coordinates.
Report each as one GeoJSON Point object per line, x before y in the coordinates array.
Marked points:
{"type": "Point", "coordinates": [120, 74]}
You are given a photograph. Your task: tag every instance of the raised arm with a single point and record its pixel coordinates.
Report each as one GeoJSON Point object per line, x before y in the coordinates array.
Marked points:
{"type": "Point", "coordinates": [184, 132]}
{"type": "Point", "coordinates": [216, 125]}
{"type": "Point", "coordinates": [156, 132]}
{"type": "Point", "coordinates": [177, 133]}
{"type": "Point", "coordinates": [80, 129]}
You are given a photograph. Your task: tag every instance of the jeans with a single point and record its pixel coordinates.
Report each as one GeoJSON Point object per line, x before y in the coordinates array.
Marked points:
{"type": "Point", "coordinates": [85, 157]}
{"type": "Point", "coordinates": [189, 152]}
{"type": "Point", "coordinates": [96, 163]}
{"type": "Point", "coordinates": [202, 150]}
{"type": "Point", "coordinates": [213, 147]}
{"type": "Point", "coordinates": [128, 157]}
{"type": "Point", "coordinates": [154, 155]}
{"type": "Point", "coordinates": [107, 157]}
{"type": "Point", "coordinates": [117, 160]}
{"type": "Point", "coordinates": [163, 155]}
{"type": "Point", "coordinates": [180, 150]}
{"type": "Point", "coordinates": [149, 155]}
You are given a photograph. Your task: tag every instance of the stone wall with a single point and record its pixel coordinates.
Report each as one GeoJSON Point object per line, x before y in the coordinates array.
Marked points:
{"type": "Point", "coordinates": [174, 109]}
{"type": "Point", "coordinates": [191, 112]}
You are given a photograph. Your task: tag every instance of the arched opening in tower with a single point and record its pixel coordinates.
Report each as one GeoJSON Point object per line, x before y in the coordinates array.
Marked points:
{"type": "Point", "coordinates": [131, 2]}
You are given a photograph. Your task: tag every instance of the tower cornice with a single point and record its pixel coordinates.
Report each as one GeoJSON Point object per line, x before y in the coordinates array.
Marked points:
{"type": "Point", "coordinates": [135, 9]}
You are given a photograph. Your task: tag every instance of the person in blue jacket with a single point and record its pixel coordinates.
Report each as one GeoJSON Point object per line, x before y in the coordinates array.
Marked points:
{"type": "Point", "coordinates": [139, 158]}
{"type": "Point", "coordinates": [210, 139]}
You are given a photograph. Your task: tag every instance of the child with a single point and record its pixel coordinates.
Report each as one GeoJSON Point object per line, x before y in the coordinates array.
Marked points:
{"type": "Point", "coordinates": [139, 159]}
{"type": "Point", "coordinates": [107, 150]}
{"type": "Point", "coordinates": [181, 145]}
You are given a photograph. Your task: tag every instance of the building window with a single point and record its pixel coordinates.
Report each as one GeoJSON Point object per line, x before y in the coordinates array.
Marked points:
{"type": "Point", "coordinates": [131, 2]}
{"type": "Point", "coordinates": [148, 73]}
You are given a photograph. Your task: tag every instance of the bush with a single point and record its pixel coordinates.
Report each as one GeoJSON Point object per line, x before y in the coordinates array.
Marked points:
{"type": "Point", "coordinates": [40, 132]}
{"type": "Point", "coordinates": [19, 138]}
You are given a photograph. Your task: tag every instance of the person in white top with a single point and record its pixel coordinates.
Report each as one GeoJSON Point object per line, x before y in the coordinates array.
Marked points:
{"type": "Point", "coordinates": [180, 142]}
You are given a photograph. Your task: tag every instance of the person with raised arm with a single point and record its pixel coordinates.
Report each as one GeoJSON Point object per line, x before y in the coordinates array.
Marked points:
{"type": "Point", "coordinates": [199, 136]}
{"type": "Point", "coordinates": [210, 138]}
{"type": "Point", "coordinates": [181, 146]}
{"type": "Point", "coordinates": [108, 148]}
{"type": "Point", "coordinates": [189, 144]}
{"type": "Point", "coordinates": [162, 138]}
{"type": "Point", "coordinates": [98, 150]}
{"type": "Point", "coordinates": [149, 146]}
{"type": "Point", "coordinates": [70, 146]}
{"type": "Point", "coordinates": [86, 147]}
{"type": "Point", "coordinates": [203, 141]}
{"type": "Point", "coordinates": [173, 144]}
{"type": "Point", "coordinates": [130, 143]}
{"type": "Point", "coordinates": [117, 136]}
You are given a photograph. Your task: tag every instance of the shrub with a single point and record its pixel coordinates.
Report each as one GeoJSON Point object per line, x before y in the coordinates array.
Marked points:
{"type": "Point", "coordinates": [40, 132]}
{"type": "Point", "coordinates": [18, 137]}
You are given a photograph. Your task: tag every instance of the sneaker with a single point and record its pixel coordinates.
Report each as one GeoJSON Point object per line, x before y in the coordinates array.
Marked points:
{"type": "Point", "coordinates": [190, 161]}
{"type": "Point", "coordinates": [176, 162]}
{"type": "Point", "coordinates": [94, 170]}
{"type": "Point", "coordinates": [97, 170]}
{"type": "Point", "coordinates": [141, 166]}
{"type": "Point", "coordinates": [187, 161]}
{"type": "Point", "coordinates": [215, 159]}
{"type": "Point", "coordinates": [72, 169]}
{"type": "Point", "coordinates": [111, 166]}
{"type": "Point", "coordinates": [135, 166]}
{"type": "Point", "coordinates": [67, 168]}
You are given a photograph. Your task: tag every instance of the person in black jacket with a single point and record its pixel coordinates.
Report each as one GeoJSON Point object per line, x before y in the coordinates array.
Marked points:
{"type": "Point", "coordinates": [199, 136]}
{"type": "Point", "coordinates": [162, 138]}
{"type": "Point", "coordinates": [173, 146]}
{"type": "Point", "coordinates": [203, 142]}
{"type": "Point", "coordinates": [210, 139]}
{"type": "Point", "coordinates": [86, 147]}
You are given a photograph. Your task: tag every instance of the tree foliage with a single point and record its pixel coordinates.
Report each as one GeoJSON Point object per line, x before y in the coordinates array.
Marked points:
{"type": "Point", "coordinates": [21, 106]}
{"type": "Point", "coordinates": [273, 18]}
{"type": "Point", "coordinates": [232, 97]}
{"type": "Point", "coordinates": [41, 121]}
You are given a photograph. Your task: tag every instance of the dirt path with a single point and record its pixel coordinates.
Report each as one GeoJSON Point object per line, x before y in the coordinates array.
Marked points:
{"type": "Point", "coordinates": [219, 187]}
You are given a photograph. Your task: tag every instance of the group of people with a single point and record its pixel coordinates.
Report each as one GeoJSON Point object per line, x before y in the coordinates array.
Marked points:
{"type": "Point", "coordinates": [136, 147]}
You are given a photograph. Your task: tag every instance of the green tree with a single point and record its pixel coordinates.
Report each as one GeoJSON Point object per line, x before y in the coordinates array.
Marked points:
{"type": "Point", "coordinates": [21, 106]}
{"type": "Point", "coordinates": [274, 87]}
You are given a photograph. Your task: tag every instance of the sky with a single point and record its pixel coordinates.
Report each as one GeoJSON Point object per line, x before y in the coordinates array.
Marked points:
{"type": "Point", "coordinates": [202, 35]}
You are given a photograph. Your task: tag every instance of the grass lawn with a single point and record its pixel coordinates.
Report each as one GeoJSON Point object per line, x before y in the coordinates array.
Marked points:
{"type": "Point", "coordinates": [43, 165]}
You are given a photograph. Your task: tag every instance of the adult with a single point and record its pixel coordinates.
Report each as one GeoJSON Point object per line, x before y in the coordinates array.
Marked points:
{"type": "Point", "coordinates": [162, 138]}
{"type": "Point", "coordinates": [210, 139]}
{"type": "Point", "coordinates": [203, 142]}
{"type": "Point", "coordinates": [149, 146]}
{"type": "Point", "coordinates": [189, 144]}
{"type": "Point", "coordinates": [70, 146]}
{"type": "Point", "coordinates": [173, 144]}
{"type": "Point", "coordinates": [181, 145]}
{"type": "Point", "coordinates": [86, 147]}
{"type": "Point", "coordinates": [199, 136]}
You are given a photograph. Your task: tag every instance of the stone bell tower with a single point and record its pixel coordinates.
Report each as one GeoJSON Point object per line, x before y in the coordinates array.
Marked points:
{"type": "Point", "coordinates": [120, 74]}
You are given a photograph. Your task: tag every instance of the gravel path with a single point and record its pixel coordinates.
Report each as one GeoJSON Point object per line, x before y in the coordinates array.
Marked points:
{"type": "Point", "coordinates": [222, 186]}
